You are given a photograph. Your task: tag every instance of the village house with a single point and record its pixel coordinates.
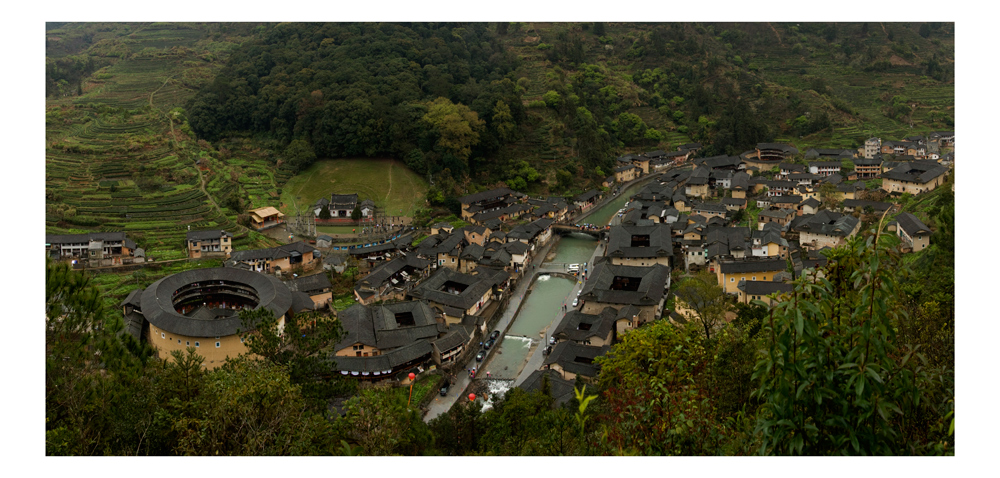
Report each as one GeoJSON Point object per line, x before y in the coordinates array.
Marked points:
{"type": "Point", "coordinates": [943, 138]}
{"type": "Point", "coordinates": [587, 199]}
{"type": "Point", "coordinates": [334, 262]}
{"type": "Point", "coordinates": [787, 169]}
{"type": "Point", "coordinates": [624, 174]}
{"type": "Point", "coordinates": [914, 177]}
{"type": "Point", "coordinates": [828, 154]}
{"type": "Point", "coordinates": [318, 287]}
{"type": "Point", "coordinates": [457, 295]}
{"type": "Point", "coordinates": [504, 214]}
{"type": "Point", "coordinates": [697, 183]}
{"type": "Point", "coordinates": [912, 231]}
{"type": "Point", "coordinates": [824, 229]}
{"type": "Point", "coordinates": [763, 290]}
{"type": "Point", "coordinates": [341, 206]}
{"type": "Point", "coordinates": [591, 329]}
{"type": "Point", "coordinates": [861, 205]}
{"type": "Point", "coordinates": [809, 206]}
{"type": "Point", "coordinates": [781, 217]}
{"type": "Point", "coordinates": [572, 360]}
{"type": "Point", "coordinates": [739, 185]}
{"type": "Point", "coordinates": [786, 202]}
{"type": "Point", "coordinates": [486, 201]}
{"type": "Point", "coordinates": [442, 249]}
{"type": "Point", "coordinates": [767, 242]}
{"type": "Point", "coordinates": [214, 243]}
{"type": "Point", "coordinates": [734, 204]}
{"type": "Point", "coordinates": [710, 210]}
{"type": "Point", "coordinates": [726, 243]}
{"type": "Point", "coordinates": [535, 233]}
{"type": "Point", "coordinates": [730, 273]}
{"type": "Point", "coordinates": [392, 280]}
{"type": "Point", "coordinates": [94, 249]}
{"type": "Point", "coordinates": [266, 218]}
{"type": "Point", "coordinates": [276, 260]}
{"type": "Point", "coordinates": [381, 341]}
{"type": "Point", "coordinates": [868, 168]}
{"type": "Point", "coordinates": [620, 286]}
{"type": "Point", "coordinates": [872, 147]}
{"type": "Point", "coordinates": [639, 245]}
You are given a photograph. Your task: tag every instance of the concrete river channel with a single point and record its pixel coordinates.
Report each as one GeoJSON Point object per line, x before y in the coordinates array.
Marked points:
{"type": "Point", "coordinates": [538, 315]}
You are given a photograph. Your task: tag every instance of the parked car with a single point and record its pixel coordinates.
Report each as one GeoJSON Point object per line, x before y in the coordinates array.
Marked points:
{"type": "Point", "coordinates": [489, 343]}
{"type": "Point", "coordinates": [576, 302]}
{"type": "Point", "coordinates": [494, 335]}
{"type": "Point", "coordinates": [552, 340]}
{"type": "Point", "coordinates": [574, 267]}
{"type": "Point", "coordinates": [480, 356]}
{"type": "Point", "coordinates": [444, 389]}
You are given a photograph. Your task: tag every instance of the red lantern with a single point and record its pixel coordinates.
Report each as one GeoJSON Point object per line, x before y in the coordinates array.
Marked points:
{"type": "Point", "coordinates": [412, 375]}
{"type": "Point", "coordinates": [472, 397]}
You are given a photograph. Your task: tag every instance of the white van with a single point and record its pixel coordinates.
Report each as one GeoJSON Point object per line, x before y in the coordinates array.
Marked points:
{"type": "Point", "coordinates": [574, 267]}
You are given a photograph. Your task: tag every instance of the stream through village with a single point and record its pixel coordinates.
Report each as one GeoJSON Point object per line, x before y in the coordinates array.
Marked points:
{"type": "Point", "coordinates": [539, 313]}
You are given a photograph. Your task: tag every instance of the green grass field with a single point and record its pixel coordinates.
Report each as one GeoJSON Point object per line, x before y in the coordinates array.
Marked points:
{"type": "Point", "coordinates": [389, 183]}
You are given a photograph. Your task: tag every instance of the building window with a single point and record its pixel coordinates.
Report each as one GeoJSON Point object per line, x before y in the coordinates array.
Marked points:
{"type": "Point", "coordinates": [197, 344]}
{"type": "Point", "coordinates": [188, 343]}
{"type": "Point", "coordinates": [178, 340]}
{"type": "Point", "coordinates": [754, 277]}
{"type": "Point", "coordinates": [163, 335]}
{"type": "Point", "coordinates": [732, 279]}
{"type": "Point", "coordinates": [218, 344]}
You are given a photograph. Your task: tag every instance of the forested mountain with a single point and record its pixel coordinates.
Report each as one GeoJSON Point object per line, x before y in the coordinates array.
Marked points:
{"type": "Point", "coordinates": [569, 97]}
{"type": "Point", "coordinates": [369, 90]}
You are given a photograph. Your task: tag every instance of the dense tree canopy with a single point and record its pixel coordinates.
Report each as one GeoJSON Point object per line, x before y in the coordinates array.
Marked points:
{"type": "Point", "coordinates": [362, 89]}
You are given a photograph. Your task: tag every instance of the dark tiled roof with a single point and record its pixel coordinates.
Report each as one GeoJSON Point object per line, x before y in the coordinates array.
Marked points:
{"type": "Point", "coordinates": [457, 335]}
{"type": "Point", "coordinates": [272, 253]}
{"type": "Point", "coordinates": [577, 326]}
{"type": "Point", "coordinates": [309, 284]}
{"type": "Point", "coordinates": [91, 236]}
{"type": "Point", "coordinates": [491, 194]}
{"type": "Point", "coordinates": [756, 287]}
{"type": "Point", "coordinates": [475, 286]}
{"type": "Point", "coordinates": [920, 172]}
{"type": "Point", "coordinates": [157, 303]}
{"type": "Point", "coordinates": [827, 223]}
{"type": "Point", "coordinates": [785, 148]}
{"type": "Point", "coordinates": [653, 281]}
{"type": "Point", "coordinates": [378, 276]}
{"type": "Point", "coordinates": [859, 203]}
{"type": "Point", "coordinates": [560, 389]}
{"type": "Point", "coordinates": [586, 196]}
{"type": "Point", "coordinates": [385, 362]}
{"type": "Point", "coordinates": [735, 267]}
{"type": "Point", "coordinates": [620, 241]}
{"type": "Point", "coordinates": [205, 235]}
{"type": "Point", "coordinates": [912, 224]}
{"type": "Point", "coordinates": [575, 358]}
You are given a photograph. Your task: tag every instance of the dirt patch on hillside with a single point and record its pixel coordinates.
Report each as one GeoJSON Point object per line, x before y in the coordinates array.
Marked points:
{"type": "Point", "coordinates": [897, 61]}
{"type": "Point", "coordinates": [531, 39]}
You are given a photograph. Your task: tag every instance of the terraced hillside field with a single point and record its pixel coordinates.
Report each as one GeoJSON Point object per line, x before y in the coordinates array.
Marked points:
{"type": "Point", "coordinates": [389, 183]}
{"type": "Point", "coordinates": [118, 156]}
